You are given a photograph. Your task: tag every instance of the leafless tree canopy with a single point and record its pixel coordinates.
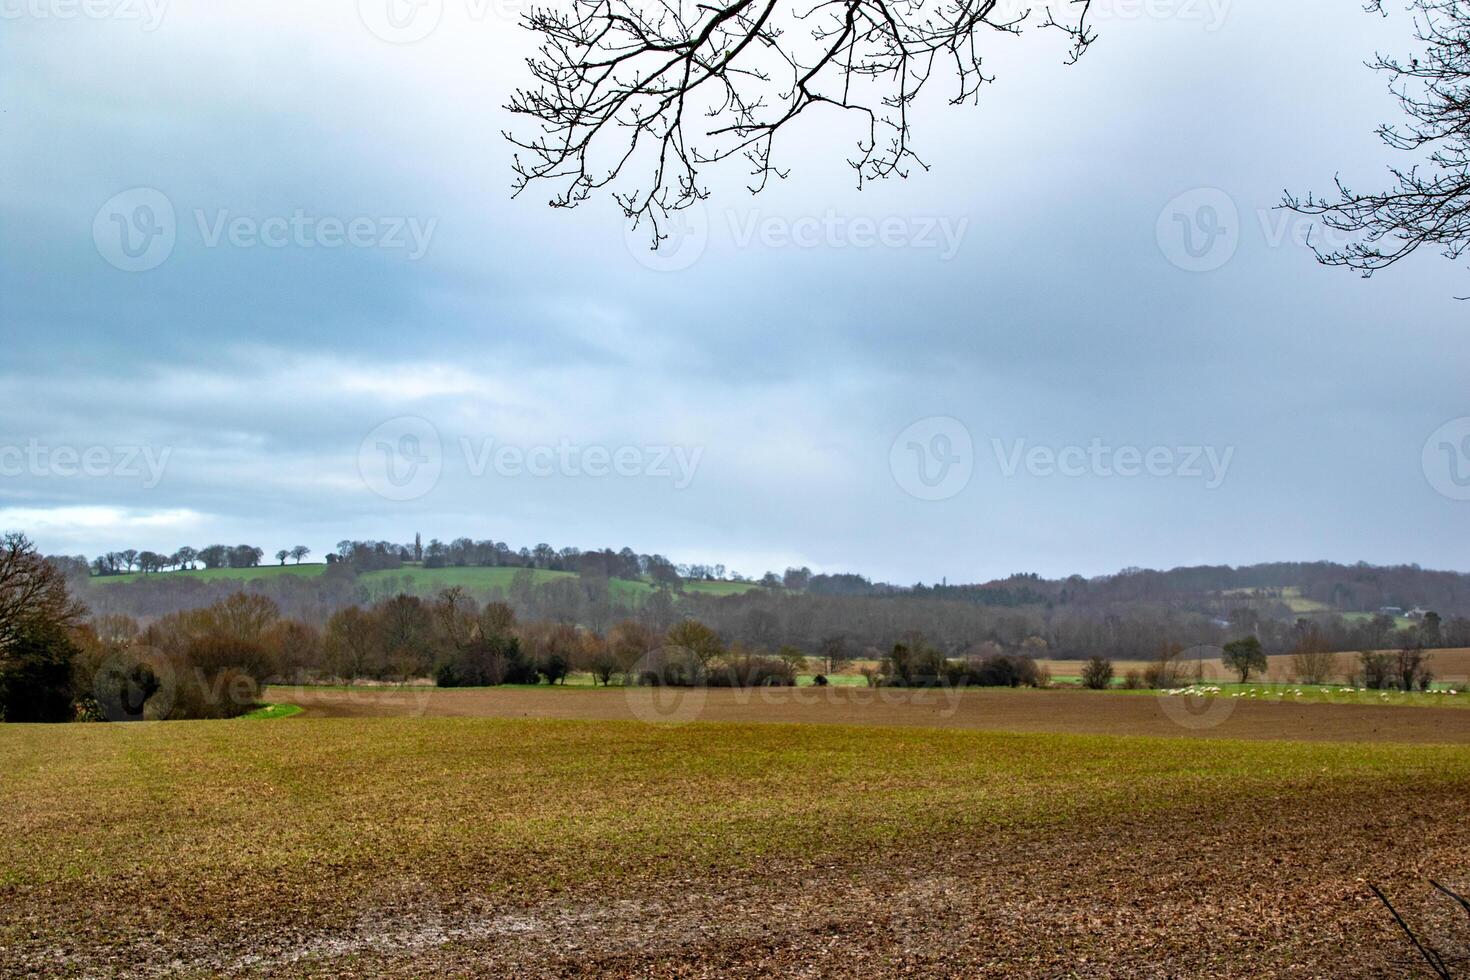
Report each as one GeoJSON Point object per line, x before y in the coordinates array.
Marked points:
{"type": "Point", "coordinates": [31, 591]}
{"type": "Point", "coordinates": [1430, 202]}
{"type": "Point", "coordinates": [635, 96]}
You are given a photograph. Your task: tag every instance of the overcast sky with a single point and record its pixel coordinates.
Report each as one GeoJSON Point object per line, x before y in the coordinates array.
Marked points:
{"type": "Point", "coordinates": [1081, 341]}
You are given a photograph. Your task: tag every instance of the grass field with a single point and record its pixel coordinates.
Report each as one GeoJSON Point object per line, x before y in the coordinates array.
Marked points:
{"type": "Point", "coordinates": [421, 579]}
{"type": "Point", "coordinates": [407, 846]}
{"type": "Point", "coordinates": [1451, 668]}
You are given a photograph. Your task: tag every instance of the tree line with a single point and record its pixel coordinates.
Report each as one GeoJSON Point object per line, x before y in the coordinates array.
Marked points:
{"type": "Point", "coordinates": [184, 559]}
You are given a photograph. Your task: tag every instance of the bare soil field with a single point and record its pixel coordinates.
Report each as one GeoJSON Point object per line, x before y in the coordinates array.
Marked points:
{"type": "Point", "coordinates": [1058, 712]}
{"type": "Point", "coordinates": [482, 847]}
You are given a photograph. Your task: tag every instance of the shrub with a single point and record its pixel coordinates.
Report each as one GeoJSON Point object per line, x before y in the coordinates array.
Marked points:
{"type": "Point", "coordinates": [671, 667]}
{"type": "Point", "coordinates": [1411, 669]}
{"type": "Point", "coordinates": [1133, 681]}
{"type": "Point", "coordinates": [999, 670]}
{"type": "Point", "coordinates": [820, 680]}
{"type": "Point", "coordinates": [602, 664]}
{"type": "Point", "coordinates": [485, 662]}
{"type": "Point", "coordinates": [36, 675]}
{"type": "Point", "coordinates": [121, 690]}
{"type": "Point", "coordinates": [553, 666]}
{"type": "Point", "coordinates": [1097, 674]}
{"type": "Point", "coordinates": [215, 676]}
{"type": "Point", "coordinates": [753, 671]}
{"type": "Point", "coordinates": [1168, 669]}
{"type": "Point", "coordinates": [914, 664]}
{"type": "Point", "coordinates": [1312, 659]}
{"type": "Point", "coordinates": [1378, 669]}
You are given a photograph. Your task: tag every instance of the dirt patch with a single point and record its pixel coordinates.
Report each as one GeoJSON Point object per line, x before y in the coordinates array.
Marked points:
{"type": "Point", "coordinates": [1059, 712]}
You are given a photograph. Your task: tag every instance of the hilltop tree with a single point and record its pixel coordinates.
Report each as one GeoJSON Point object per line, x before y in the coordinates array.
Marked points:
{"type": "Point", "coordinates": [282, 555]}
{"type": "Point", "coordinates": [299, 552]}
{"type": "Point", "coordinates": [246, 556]}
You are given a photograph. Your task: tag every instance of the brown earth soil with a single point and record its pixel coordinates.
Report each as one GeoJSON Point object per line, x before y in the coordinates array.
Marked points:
{"type": "Point", "coordinates": [1060, 712]}
{"type": "Point", "coordinates": [1277, 888]}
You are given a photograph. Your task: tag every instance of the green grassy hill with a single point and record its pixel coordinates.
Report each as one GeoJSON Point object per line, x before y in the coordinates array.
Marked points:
{"type": "Point", "coordinates": [416, 578]}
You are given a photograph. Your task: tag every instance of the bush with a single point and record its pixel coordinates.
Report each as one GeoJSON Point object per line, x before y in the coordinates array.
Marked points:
{"type": "Point", "coordinates": [554, 667]}
{"type": "Point", "coordinates": [820, 680]}
{"type": "Point", "coordinates": [602, 664]}
{"type": "Point", "coordinates": [753, 671]}
{"type": "Point", "coordinates": [486, 662]}
{"type": "Point", "coordinates": [121, 690]}
{"type": "Point", "coordinates": [999, 670]}
{"type": "Point", "coordinates": [914, 665]}
{"type": "Point", "coordinates": [215, 677]}
{"type": "Point", "coordinates": [1411, 669]}
{"type": "Point", "coordinates": [671, 667]}
{"type": "Point", "coordinates": [36, 676]}
{"type": "Point", "coordinates": [1312, 659]}
{"type": "Point", "coordinates": [1378, 670]}
{"type": "Point", "coordinates": [1168, 669]}
{"type": "Point", "coordinates": [1133, 681]}
{"type": "Point", "coordinates": [1097, 674]}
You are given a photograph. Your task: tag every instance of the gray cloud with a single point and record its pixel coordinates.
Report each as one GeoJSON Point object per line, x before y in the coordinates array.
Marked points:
{"type": "Point", "coordinates": [1058, 320]}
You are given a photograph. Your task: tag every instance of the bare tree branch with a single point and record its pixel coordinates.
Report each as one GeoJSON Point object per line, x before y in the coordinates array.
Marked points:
{"type": "Point", "coordinates": [636, 96]}
{"type": "Point", "coordinates": [1430, 201]}
{"type": "Point", "coordinates": [32, 591]}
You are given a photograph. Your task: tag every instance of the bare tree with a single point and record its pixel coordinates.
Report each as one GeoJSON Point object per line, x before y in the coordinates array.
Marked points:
{"type": "Point", "coordinates": [635, 96]}
{"type": "Point", "coordinates": [32, 591]}
{"type": "Point", "coordinates": [1430, 202]}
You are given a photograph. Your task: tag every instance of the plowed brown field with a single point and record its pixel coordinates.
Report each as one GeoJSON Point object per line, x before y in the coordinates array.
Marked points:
{"type": "Point", "coordinates": [1060, 712]}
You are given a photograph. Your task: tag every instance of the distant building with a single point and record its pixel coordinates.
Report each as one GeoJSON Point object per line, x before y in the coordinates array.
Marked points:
{"type": "Point", "coordinates": [1391, 610]}
{"type": "Point", "coordinates": [1418, 612]}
